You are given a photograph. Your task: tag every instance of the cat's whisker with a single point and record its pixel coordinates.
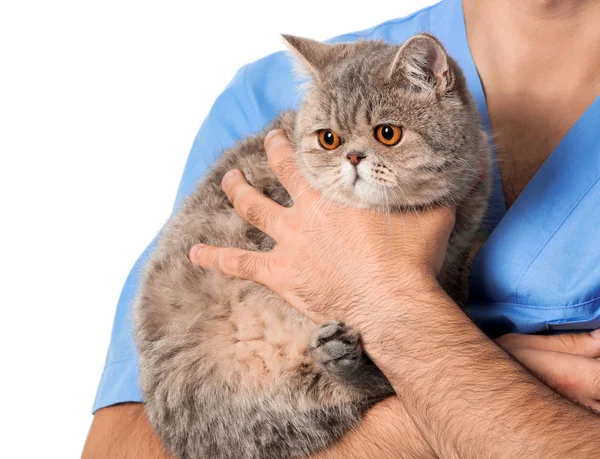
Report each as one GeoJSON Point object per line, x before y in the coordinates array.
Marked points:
{"type": "Point", "coordinates": [418, 215]}
{"type": "Point", "coordinates": [315, 207]}
{"type": "Point", "coordinates": [293, 198]}
{"type": "Point", "coordinates": [321, 204]}
{"type": "Point", "coordinates": [312, 211]}
{"type": "Point", "coordinates": [389, 219]}
{"type": "Point", "coordinates": [327, 205]}
{"type": "Point", "coordinates": [316, 183]}
{"type": "Point", "coordinates": [334, 188]}
{"type": "Point", "coordinates": [401, 215]}
{"type": "Point", "coordinates": [421, 225]}
{"type": "Point", "coordinates": [403, 231]}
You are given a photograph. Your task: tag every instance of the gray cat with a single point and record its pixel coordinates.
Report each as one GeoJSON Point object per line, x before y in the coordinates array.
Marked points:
{"type": "Point", "coordinates": [228, 369]}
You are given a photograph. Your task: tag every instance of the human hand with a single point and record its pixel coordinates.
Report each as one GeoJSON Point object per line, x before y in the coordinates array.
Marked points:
{"type": "Point", "coordinates": [566, 363]}
{"type": "Point", "coordinates": [329, 262]}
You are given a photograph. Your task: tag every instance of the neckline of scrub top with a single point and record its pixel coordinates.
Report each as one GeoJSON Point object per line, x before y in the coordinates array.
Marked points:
{"type": "Point", "coordinates": [449, 25]}
{"type": "Point", "coordinates": [544, 206]}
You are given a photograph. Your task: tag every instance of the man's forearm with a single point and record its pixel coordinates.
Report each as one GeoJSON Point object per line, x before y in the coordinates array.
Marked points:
{"type": "Point", "coordinates": [466, 395]}
{"type": "Point", "coordinates": [386, 432]}
{"type": "Point", "coordinates": [122, 432]}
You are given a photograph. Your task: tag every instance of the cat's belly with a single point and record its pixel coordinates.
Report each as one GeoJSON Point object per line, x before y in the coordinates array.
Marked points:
{"type": "Point", "coordinates": [262, 340]}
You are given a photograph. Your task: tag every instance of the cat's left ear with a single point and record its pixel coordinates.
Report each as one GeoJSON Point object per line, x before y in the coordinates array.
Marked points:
{"type": "Point", "coordinates": [310, 56]}
{"type": "Point", "coordinates": [422, 62]}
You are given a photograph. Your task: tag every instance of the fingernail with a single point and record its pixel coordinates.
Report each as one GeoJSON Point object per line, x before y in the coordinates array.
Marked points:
{"type": "Point", "coordinates": [228, 176]}
{"type": "Point", "coordinates": [271, 136]}
{"type": "Point", "coordinates": [195, 252]}
{"type": "Point", "coordinates": [596, 333]}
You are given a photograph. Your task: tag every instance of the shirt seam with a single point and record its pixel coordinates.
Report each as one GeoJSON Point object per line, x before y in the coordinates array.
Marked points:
{"type": "Point", "coordinates": [520, 305]}
{"type": "Point", "coordinates": [128, 359]}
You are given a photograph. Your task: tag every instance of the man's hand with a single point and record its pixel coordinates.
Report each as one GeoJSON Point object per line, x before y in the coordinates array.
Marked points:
{"type": "Point", "coordinates": [566, 363]}
{"type": "Point", "coordinates": [465, 395]}
{"type": "Point", "coordinates": [327, 257]}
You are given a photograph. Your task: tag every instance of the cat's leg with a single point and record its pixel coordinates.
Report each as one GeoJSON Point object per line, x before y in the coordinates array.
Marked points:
{"type": "Point", "coordinates": [337, 350]}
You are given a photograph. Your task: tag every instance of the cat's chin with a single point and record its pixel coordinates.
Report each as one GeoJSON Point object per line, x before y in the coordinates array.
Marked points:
{"type": "Point", "coordinates": [362, 195]}
{"type": "Point", "coordinates": [360, 192]}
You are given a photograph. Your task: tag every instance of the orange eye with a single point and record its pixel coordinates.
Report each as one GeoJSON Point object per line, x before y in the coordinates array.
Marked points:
{"type": "Point", "coordinates": [329, 139]}
{"type": "Point", "coordinates": [388, 134]}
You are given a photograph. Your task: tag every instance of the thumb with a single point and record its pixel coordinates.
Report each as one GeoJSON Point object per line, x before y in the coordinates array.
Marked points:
{"type": "Point", "coordinates": [584, 344]}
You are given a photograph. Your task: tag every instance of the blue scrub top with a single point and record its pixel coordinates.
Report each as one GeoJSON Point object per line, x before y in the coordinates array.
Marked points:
{"type": "Point", "coordinates": [540, 267]}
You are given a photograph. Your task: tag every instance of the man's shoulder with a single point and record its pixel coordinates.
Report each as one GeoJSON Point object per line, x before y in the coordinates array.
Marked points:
{"type": "Point", "coordinates": [270, 84]}
{"type": "Point", "coordinates": [395, 30]}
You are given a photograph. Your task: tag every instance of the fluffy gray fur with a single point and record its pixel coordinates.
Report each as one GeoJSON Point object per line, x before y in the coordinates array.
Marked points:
{"type": "Point", "coordinates": [227, 368]}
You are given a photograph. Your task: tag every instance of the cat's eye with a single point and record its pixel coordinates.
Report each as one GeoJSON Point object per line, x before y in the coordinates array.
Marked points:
{"type": "Point", "coordinates": [388, 134]}
{"type": "Point", "coordinates": [329, 139]}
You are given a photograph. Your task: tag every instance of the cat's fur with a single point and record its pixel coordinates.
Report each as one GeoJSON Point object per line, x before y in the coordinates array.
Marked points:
{"type": "Point", "coordinates": [228, 369]}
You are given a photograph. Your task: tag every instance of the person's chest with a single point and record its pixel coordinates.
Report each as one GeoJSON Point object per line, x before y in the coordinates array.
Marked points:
{"type": "Point", "coordinates": [526, 129]}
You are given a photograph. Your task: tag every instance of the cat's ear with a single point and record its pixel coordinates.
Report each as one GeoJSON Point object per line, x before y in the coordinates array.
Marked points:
{"type": "Point", "coordinates": [423, 63]}
{"type": "Point", "coordinates": [310, 56]}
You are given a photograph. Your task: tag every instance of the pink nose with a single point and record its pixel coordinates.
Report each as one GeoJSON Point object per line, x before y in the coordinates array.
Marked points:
{"type": "Point", "coordinates": [354, 158]}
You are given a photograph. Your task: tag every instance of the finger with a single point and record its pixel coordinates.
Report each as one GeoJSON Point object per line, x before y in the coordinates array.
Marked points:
{"type": "Point", "coordinates": [283, 162]}
{"type": "Point", "coordinates": [584, 344]}
{"type": "Point", "coordinates": [573, 375]}
{"type": "Point", "coordinates": [233, 262]}
{"type": "Point", "coordinates": [250, 204]}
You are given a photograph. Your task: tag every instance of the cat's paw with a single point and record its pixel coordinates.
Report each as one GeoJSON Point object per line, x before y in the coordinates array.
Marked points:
{"type": "Point", "coordinates": [336, 347]}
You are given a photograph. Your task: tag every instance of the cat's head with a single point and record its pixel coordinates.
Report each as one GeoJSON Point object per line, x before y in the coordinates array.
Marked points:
{"type": "Point", "coordinates": [385, 126]}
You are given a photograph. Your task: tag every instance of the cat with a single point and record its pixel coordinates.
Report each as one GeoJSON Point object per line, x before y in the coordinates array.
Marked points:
{"type": "Point", "coordinates": [227, 368]}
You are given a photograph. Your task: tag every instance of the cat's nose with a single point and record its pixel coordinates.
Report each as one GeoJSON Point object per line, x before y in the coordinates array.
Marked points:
{"type": "Point", "coordinates": [355, 157]}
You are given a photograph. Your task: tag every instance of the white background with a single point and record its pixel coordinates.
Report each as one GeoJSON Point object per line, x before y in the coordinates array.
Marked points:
{"type": "Point", "coordinates": [99, 105]}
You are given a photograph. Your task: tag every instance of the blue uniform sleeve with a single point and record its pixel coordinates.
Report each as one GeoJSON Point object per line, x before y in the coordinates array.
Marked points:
{"type": "Point", "coordinates": [232, 117]}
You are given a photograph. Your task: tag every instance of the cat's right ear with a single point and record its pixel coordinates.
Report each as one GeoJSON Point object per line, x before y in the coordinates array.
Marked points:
{"type": "Point", "coordinates": [422, 63]}
{"type": "Point", "coordinates": [310, 56]}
